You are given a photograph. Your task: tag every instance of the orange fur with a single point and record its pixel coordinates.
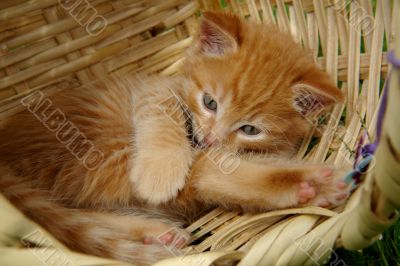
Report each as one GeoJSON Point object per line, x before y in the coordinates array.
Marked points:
{"type": "Point", "coordinates": [143, 160]}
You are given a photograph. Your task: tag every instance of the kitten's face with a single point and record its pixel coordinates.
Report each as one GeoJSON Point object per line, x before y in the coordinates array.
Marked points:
{"type": "Point", "coordinates": [252, 87]}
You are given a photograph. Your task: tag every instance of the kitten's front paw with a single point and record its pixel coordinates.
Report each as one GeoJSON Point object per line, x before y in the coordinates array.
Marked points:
{"type": "Point", "coordinates": [323, 187]}
{"type": "Point", "coordinates": [159, 179]}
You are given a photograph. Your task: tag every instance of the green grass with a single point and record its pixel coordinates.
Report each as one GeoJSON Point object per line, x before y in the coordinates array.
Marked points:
{"type": "Point", "coordinates": [385, 252]}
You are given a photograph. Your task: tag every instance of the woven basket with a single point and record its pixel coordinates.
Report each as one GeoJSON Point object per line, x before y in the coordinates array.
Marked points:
{"type": "Point", "coordinates": [53, 45]}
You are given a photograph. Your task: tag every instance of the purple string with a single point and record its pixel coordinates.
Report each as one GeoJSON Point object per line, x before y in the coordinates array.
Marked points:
{"type": "Point", "coordinates": [369, 149]}
{"type": "Point", "coordinates": [365, 151]}
{"type": "Point", "coordinates": [393, 60]}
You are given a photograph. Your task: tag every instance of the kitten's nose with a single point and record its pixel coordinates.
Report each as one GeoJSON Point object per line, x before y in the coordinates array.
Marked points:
{"type": "Point", "coordinates": [210, 140]}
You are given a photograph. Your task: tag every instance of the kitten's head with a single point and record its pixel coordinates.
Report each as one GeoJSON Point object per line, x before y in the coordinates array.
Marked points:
{"type": "Point", "coordinates": [252, 86]}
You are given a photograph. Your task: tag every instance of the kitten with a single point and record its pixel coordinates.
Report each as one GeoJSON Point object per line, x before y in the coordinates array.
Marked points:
{"type": "Point", "coordinates": [111, 167]}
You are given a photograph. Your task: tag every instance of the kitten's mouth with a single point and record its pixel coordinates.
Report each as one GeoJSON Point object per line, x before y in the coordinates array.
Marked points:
{"type": "Point", "coordinates": [196, 143]}
{"type": "Point", "coordinates": [191, 135]}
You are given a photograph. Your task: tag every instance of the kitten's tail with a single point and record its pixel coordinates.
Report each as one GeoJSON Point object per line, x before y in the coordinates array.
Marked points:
{"type": "Point", "coordinates": [101, 234]}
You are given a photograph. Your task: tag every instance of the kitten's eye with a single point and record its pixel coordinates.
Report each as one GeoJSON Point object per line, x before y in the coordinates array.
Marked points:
{"type": "Point", "coordinates": [250, 130]}
{"type": "Point", "coordinates": [209, 102]}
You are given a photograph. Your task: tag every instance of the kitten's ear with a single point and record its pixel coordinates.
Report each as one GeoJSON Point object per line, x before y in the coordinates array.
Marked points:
{"type": "Point", "coordinates": [315, 92]}
{"type": "Point", "coordinates": [219, 34]}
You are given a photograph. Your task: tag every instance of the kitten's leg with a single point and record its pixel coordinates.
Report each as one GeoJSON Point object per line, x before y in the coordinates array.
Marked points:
{"type": "Point", "coordinates": [163, 155]}
{"type": "Point", "coordinates": [255, 187]}
{"type": "Point", "coordinates": [121, 237]}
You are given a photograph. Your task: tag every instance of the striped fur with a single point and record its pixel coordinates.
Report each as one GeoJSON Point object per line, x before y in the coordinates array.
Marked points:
{"type": "Point", "coordinates": [72, 161]}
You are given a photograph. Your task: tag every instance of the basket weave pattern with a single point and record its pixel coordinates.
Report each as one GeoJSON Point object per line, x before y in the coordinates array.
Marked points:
{"type": "Point", "coordinates": [45, 44]}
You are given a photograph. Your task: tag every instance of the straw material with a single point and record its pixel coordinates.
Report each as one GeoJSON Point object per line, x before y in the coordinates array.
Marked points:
{"type": "Point", "coordinates": [45, 47]}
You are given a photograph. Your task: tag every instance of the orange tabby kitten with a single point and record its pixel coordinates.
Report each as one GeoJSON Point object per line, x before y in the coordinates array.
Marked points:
{"type": "Point", "coordinates": [110, 168]}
